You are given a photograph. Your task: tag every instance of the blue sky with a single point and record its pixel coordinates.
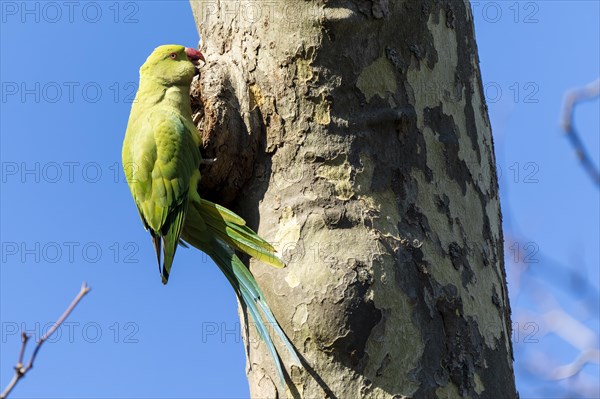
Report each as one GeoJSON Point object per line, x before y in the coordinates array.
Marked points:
{"type": "Point", "coordinates": [68, 76]}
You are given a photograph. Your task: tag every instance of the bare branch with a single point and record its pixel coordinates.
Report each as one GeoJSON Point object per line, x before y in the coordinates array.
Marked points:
{"type": "Point", "coordinates": [588, 92]}
{"type": "Point", "coordinates": [20, 369]}
{"type": "Point", "coordinates": [569, 370]}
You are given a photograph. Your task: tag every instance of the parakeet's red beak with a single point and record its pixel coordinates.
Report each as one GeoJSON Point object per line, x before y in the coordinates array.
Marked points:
{"type": "Point", "coordinates": [194, 55]}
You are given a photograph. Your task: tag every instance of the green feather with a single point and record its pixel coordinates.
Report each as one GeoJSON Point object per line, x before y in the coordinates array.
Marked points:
{"type": "Point", "coordinates": [237, 234]}
{"type": "Point", "coordinates": [220, 212]}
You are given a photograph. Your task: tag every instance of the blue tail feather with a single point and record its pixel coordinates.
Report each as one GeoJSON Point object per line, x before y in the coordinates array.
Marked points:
{"type": "Point", "coordinates": [249, 293]}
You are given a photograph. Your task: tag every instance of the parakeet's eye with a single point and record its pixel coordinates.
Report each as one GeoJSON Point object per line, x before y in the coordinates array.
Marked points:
{"type": "Point", "coordinates": [173, 56]}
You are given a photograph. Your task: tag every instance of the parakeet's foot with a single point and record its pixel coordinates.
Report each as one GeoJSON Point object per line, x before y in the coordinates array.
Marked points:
{"type": "Point", "coordinates": [208, 161]}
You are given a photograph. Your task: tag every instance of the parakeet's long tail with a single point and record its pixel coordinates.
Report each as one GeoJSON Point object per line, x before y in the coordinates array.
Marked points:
{"type": "Point", "coordinates": [216, 231]}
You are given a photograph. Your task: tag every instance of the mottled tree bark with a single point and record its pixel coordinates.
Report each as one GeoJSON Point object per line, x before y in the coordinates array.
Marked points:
{"type": "Point", "coordinates": [354, 135]}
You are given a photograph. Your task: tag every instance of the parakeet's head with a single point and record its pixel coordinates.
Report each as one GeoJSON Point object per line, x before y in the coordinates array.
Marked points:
{"type": "Point", "coordinates": [172, 64]}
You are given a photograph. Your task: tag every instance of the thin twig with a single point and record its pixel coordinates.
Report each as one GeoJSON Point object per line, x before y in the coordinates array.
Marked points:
{"type": "Point", "coordinates": [21, 370]}
{"type": "Point", "coordinates": [588, 92]}
{"type": "Point", "coordinates": [24, 338]}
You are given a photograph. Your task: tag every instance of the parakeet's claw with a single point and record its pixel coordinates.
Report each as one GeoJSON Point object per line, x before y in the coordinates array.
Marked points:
{"type": "Point", "coordinates": [208, 161]}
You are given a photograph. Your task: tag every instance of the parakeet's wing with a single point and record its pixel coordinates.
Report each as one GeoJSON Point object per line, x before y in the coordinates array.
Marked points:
{"type": "Point", "coordinates": [164, 156]}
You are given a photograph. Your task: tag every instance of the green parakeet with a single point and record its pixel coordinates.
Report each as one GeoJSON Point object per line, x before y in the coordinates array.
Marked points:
{"type": "Point", "coordinates": [161, 157]}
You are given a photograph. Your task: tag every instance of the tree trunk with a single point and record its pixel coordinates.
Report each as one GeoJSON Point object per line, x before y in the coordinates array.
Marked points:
{"type": "Point", "coordinates": [357, 134]}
